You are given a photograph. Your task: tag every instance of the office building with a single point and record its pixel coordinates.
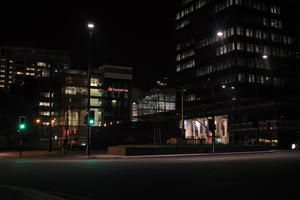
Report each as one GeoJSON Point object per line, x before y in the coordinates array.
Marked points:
{"type": "Point", "coordinates": [19, 62]}
{"type": "Point", "coordinates": [238, 62]}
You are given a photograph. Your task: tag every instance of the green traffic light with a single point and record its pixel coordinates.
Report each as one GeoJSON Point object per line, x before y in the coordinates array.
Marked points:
{"type": "Point", "coordinates": [22, 126]}
{"type": "Point", "coordinates": [91, 122]}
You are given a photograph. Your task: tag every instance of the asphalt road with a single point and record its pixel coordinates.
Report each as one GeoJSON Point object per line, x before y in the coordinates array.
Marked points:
{"type": "Point", "coordinates": [245, 176]}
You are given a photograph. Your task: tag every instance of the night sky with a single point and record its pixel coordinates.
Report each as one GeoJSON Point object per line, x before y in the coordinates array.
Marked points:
{"type": "Point", "coordinates": [130, 33]}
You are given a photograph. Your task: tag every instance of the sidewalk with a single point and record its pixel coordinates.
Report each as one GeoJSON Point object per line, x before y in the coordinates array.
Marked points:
{"type": "Point", "coordinates": [104, 155]}
{"type": "Point", "coordinates": [16, 154]}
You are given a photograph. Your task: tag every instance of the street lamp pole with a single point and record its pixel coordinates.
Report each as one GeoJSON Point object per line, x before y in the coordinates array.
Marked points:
{"type": "Point", "coordinates": [219, 34]}
{"type": "Point", "coordinates": [88, 145]}
{"type": "Point", "coordinates": [182, 114]}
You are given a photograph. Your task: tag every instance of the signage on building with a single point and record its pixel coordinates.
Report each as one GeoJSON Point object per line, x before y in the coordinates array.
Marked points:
{"type": "Point", "coordinates": [110, 89]}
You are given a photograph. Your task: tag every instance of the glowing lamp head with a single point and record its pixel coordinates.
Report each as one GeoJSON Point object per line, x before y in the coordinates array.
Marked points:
{"type": "Point", "coordinates": [265, 57]}
{"type": "Point", "coordinates": [220, 34]}
{"type": "Point", "coordinates": [91, 26]}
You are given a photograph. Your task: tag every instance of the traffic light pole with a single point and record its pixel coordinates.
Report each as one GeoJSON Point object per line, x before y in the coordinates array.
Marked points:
{"type": "Point", "coordinates": [21, 144]}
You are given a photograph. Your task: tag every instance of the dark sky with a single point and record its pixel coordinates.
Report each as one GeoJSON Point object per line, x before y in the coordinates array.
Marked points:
{"type": "Point", "coordinates": [130, 33]}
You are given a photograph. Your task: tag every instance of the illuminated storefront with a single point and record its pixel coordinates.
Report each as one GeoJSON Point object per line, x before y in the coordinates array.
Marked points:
{"type": "Point", "coordinates": [198, 129]}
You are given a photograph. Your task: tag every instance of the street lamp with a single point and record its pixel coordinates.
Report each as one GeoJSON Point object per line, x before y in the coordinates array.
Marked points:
{"type": "Point", "coordinates": [220, 33]}
{"type": "Point", "coordinates": [90, 27]}
{"type": "Point", "coordinates": [265, 56]}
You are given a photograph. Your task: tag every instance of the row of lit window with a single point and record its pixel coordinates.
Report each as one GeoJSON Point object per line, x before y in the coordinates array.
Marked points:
{"type": "Point", "coordinates": [190, 98]}
{"type": "Point", "coordinates": [45, 104]}
{"type": "Point", "coordinates": [210, 40]}
{"type": "Point", "coordinates": [185, 55]}
{"type": "Point", "coordinates": [275, 23]}
{"type": "Point", "coordinates": [199, 4]}
{"type": "Point", "coordinates": [4, 60]}
{"type": "Point", "coordinates": [252, 79]}
{"type": "Point", "coordinates": [240, 61]}
{"type": "Point", "coordinates": [3, 76]}
{"type": "Point", "coordinates": [248, 33]}
{"type": "Point", "coordinates": [186, 65]}
{"type": "Point", "coordinates": [95, 102]}
{"type": "Point", "coordinates": [258, 5]}
{"type": "Point", "coordinates": [224, 49]}
{"type": "Point", "coordinates": [184, 12]}
{"type": "Point", "coordinates": [182, 24]}
{"type": "Point", "coordinates": [228, 63]}
{"type": "Point", "coordinates": [41, 64]}
{"type": "Point", "coordinates": [46, 113]}
{"type": "Point", "coordinates": [26, 73]}
{"type": "Point", "coordinates": [150, 108]}
{"type": "Point", "coordinates": [263, 35]}
{"type": "Point", "coordinates": [46, 94]}
{"type": "Point", "coordinates": [75, 90]}
{"type": "Point", "coordinates": [254, 48]}
{"type": "Point", "coordinates": [265, 80]}
{"type": "Point", "coordinates": [225, 4]}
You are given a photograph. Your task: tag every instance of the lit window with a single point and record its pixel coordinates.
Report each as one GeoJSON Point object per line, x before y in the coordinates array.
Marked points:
{"type": "Point", "coordinates": [41, 64]}
{"type": "Point", "coordinates": [47, 104]}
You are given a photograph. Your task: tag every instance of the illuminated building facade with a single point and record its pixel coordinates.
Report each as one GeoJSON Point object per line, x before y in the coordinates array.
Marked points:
{"type": "Point", "coordinates": [110, 89]}
{"type": "Point", "coordinates": [160, 99]}
{"type": "Point", "coordinates": [17, 63]}
{"type": "Point", "coordinates": [116, 85]}
{"type": "Point", "coordinates": [72, 105]}
{"type": "Point", "coordinates": [238, 61]}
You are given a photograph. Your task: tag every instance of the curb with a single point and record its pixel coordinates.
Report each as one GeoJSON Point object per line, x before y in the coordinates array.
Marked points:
{"type": "Point", "coordinates": [175, 155]}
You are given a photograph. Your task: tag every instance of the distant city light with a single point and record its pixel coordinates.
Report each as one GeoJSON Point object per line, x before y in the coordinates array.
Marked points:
{"type": "Point", "coordinates": [265, 57]}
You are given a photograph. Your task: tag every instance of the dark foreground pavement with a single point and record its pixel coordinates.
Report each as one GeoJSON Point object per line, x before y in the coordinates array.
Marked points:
{"type": "Point", "coordinates": [235, 176]}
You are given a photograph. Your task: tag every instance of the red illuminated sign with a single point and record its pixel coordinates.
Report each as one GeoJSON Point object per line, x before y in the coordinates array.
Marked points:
{"type": "Point", "coordinates": [110, 89]}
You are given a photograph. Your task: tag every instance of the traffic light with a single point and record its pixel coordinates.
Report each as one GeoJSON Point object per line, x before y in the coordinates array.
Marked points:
{"type": "Point", "coordinates": [91, 117]}
{"type": "Point", "coordinates": [22, 123]}
{"type": "Point", "coordinates": [211, 125]}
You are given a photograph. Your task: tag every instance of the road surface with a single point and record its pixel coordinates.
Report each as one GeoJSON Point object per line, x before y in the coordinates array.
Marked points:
{"type": "Point", "coordinates": [239, 176]}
